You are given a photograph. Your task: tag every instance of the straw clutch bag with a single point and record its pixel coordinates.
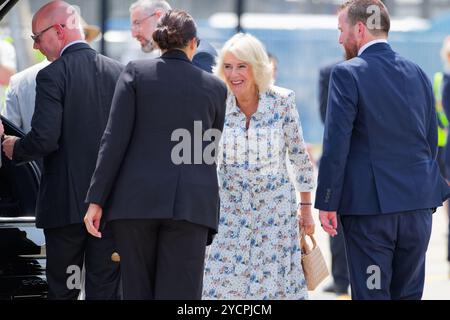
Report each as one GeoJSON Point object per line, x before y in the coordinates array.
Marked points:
{"type": "Point", "coordinates": [314, 266]}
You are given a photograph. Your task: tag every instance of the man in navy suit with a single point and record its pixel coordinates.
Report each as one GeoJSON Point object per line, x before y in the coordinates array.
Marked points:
{"type": "Point", "coordinates": [379, 169]}
{"type": "Point", "coordinates": [144, 15]}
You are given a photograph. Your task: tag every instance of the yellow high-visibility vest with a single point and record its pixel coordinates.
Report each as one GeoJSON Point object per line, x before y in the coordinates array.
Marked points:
{"type": "Point", "coordinates": [441, 117]}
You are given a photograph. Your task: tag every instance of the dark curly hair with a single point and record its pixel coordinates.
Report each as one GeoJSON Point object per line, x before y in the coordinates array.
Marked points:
{"type": "Point", "coordinates": [174, 30]}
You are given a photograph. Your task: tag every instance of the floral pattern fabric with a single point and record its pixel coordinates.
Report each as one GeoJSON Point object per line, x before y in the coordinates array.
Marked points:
{"type": "Point", "coordinates": [256, 253]}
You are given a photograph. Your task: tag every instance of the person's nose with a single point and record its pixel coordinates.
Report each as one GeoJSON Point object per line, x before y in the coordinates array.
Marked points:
{"type": "Point", "coordinates": [35, 45]}
{"type": "Point", "coordinates": [233, 72]}
{"type": "Point", "coordinates": [134, 32]}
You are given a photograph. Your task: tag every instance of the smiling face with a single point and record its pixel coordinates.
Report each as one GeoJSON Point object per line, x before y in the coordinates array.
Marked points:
{"type": "Point", "coordinates": [238, 75]}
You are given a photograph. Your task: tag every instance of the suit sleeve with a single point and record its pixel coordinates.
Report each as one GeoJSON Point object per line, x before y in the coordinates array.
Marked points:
{"type": "Point", "coordinates": [115, 139]}
{"type": "Point", "coordinates": [220, 115]}
{"type": "Point", "coordinates": [219, 120]}
{"type": "Point", "coordinates": [432, 134]}
{"type": "Point", "coordinates": [341, 114]}
{"type": "Point", "coordinates": [11, 110]}
{"type": "Point", "coordinates": [324, 81]}
{"type": "Point", "coordinates": [301, 165]}
{"type": "Point", "coordinates": [46, 123]}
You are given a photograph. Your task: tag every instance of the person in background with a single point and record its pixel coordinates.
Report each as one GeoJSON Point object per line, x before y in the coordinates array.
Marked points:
{"type": "Point", "coordinates": [274, 62]}
{"type": "Point", "coordinates": [144, 15]}
{"type": "Point", "coordinates": [339, 270]}
{"type": "Point", "coordinates": [256, 253]}
{"type": "Point", "coordinates": [8, 66]}
{"type": "Point", "coordinates": [21, 93]}
{"type": "Point", "coordinates": [444, 84]}
{"type": "Point", "coordinates": [72, 108]}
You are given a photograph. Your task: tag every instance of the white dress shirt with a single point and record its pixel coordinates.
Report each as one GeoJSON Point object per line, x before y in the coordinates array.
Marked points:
{"type": "Point", "coordinates": [368, 44]}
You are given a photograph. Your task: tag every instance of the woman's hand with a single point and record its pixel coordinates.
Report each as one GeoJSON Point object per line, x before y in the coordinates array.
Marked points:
{"type": "Point", "coordinates": [306, 219]}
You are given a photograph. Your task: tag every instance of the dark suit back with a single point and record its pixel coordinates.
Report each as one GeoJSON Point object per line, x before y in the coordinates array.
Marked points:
{"type": "Point", "coordinates": [380, 138]}
{"type": "Point", "coordinates": [73, 99]}
{"type": "Point", "coordinates": [135, 176]}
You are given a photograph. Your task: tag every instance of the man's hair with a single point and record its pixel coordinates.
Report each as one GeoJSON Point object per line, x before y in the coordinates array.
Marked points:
{"type": "Point", "coordinates": [149, 6]}
{"type": "Point", "coordinates": [363, 10]}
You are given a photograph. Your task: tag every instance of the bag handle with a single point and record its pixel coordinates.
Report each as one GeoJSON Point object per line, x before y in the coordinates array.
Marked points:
{"type": "Point", "coordinates": [304, 245]}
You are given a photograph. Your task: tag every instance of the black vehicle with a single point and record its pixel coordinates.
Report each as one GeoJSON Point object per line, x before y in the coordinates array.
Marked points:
{"type": "Point", "coordinates": [22, 245]}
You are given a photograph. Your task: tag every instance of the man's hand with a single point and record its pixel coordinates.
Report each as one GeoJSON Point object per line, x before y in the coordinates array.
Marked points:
{"type": "Point", "coordinates": [325, 218]}
{"type": "Point", "coordinates": [92, 219]}
{"type": "Point", "coordinates": [8, 146]}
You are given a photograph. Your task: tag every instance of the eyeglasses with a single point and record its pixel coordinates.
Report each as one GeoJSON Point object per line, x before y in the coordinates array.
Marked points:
{"type": "Point", "coordinates": [137, 23]}
{"type": "Point", "coordinates": [36, 37]}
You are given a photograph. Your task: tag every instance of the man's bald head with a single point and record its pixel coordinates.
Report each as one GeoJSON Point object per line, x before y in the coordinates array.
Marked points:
{"type": "Point", "coordinates": [58, 12]}
{"type": "Point", "coordinates": [61, 23]}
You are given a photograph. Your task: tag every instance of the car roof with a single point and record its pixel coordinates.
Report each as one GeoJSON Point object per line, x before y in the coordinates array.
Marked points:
{"type": "Point", "coordinates": [5, 6]}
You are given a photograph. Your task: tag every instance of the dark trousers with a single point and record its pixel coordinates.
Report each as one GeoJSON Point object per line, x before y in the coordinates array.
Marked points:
{"type": "Point", "coordinates": [339, 269]}
{"type": "Point", "coordinates": [67, 249]}
{"type": "Point", "coordinates": [386, 254]}
{"type": "Point", "coordinates": [160, 258]}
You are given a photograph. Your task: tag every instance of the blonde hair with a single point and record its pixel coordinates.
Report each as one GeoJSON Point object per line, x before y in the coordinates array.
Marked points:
{"type": "Point", "coordinates": [445, 52]}
{"type": "Point", "coordinates": [247, 48]}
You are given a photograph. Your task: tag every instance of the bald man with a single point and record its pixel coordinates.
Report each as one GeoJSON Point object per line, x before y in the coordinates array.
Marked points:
{"type": "Point", "coordinates": [73, 98]}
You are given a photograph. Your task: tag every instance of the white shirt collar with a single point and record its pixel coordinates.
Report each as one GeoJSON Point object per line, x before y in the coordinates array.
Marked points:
{"type": "Point", "coordinates": [71, 43]}
{"type": "Point", "coordinates": [368, 44]}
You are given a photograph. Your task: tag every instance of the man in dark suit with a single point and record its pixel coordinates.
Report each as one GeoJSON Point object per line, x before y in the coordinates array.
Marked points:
{"type": "Point", "coordinates": [339, 268]}
{"type": "Point", "coordinates": [445, 53]}
{"type": "Point", "coordinates": [73, 98]}
{"type": "Point", "coordinates": [378, 168]}
{"type": "Point", "coordinates": [144, 14]}
{"type": "Point", "coordinates": [161, 195]}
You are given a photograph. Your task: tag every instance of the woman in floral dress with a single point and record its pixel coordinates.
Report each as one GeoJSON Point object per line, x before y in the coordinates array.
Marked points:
{"type": "Point", "coordinates": [262, 164]}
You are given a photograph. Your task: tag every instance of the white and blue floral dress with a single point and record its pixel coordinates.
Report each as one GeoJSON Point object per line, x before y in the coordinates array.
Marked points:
{"type": "Point", "coordinates": [256, 253]}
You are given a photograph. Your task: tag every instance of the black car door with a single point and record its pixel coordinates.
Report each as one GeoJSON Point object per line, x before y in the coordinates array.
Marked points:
{"type": "Point", "coordinates": [22, 245]}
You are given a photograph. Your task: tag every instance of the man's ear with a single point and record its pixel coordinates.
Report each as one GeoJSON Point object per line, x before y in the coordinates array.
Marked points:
{"type": "Point", "coordinates": [59, 31]}
{"type": "Point", "coordinates": [158, 13]}
{"type": "Point", "coordinates": [193, 44]}
{"type": "Point", "coordinates": [361, 31]}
